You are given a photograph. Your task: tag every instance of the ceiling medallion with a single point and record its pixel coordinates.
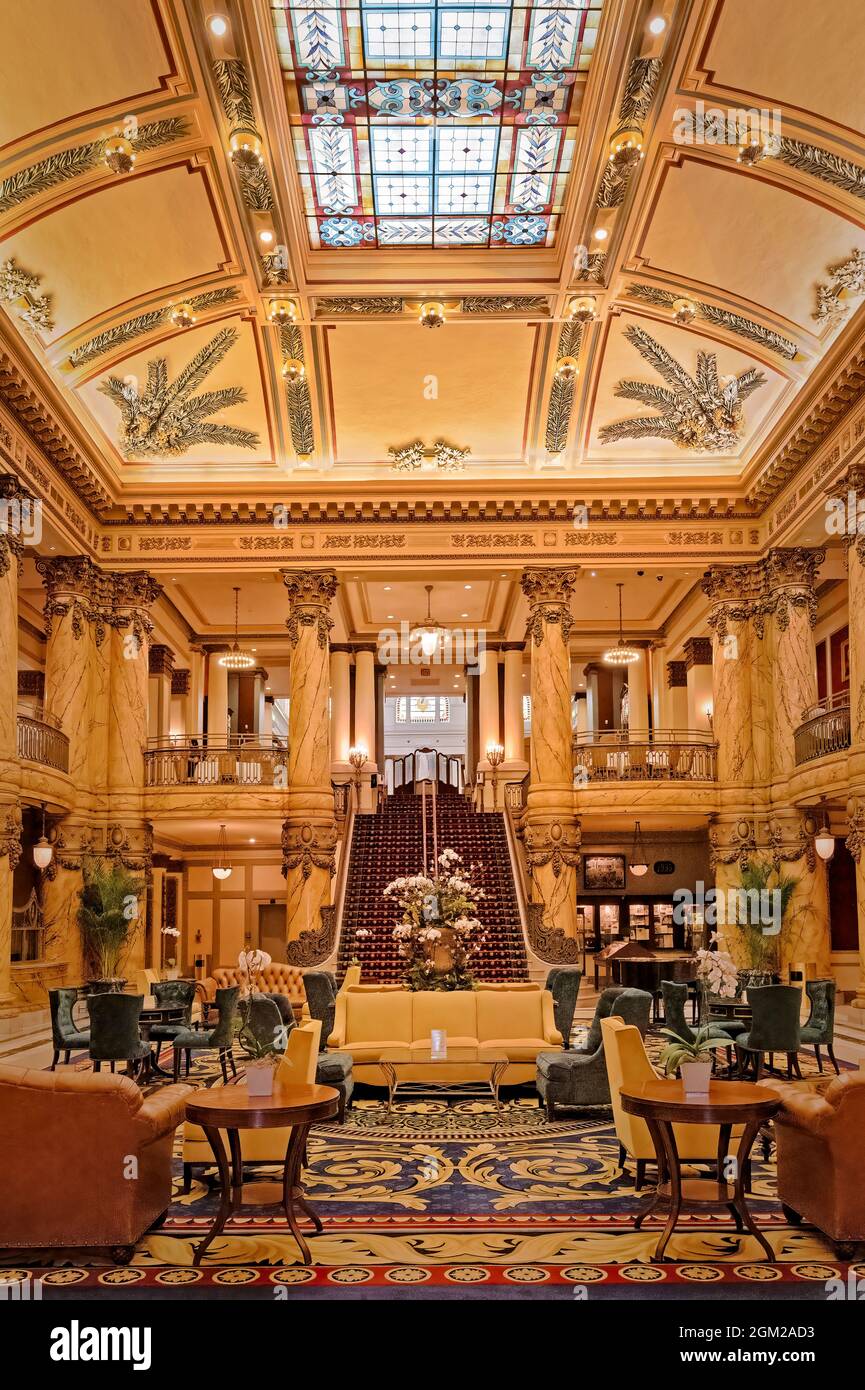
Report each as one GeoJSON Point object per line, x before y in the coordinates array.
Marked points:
{"type": "Point", "coordinates": [447, 458]}
{"type": "Point", "coordinates": [119, 155]}
{"type": "Point", "coordinates": [582, 310]}
{"type": "Point", "coordinates": [703, 413]}
{"type": "Point", "coordinates": [752, 153]}
{"type": "Point", "coordinates": [183, 316]}
{"type": "Point", "coordinates": [621, 654]}
{"type": "Point", "coordinates": [432, 314]}
{"type": "Point", "coordinates": [293, 371]}
{"type": "Point", "coordinates": [282, 312]}
{"type": "Point", "coordinates": [626, 149]}
{"type": "Point", "coordinates": [167, 418]}
{"type": "Point", "coordinates": [684, 312]}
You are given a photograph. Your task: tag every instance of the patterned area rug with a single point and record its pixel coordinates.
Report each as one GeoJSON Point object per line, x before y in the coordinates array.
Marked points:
{"type": "Point", "coordinates": [460, 1196]}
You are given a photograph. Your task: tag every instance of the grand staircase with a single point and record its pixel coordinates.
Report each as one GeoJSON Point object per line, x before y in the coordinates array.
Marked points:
{"type": "Point", "coordinates": [389, 844]}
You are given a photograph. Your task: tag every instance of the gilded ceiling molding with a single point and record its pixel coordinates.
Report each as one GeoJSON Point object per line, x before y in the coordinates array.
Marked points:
{"type": "Point", "coordinates": [71, 163]}
{"type": "Point", "coordinates": [698, 414]}
{"type": "Point", "coordinates": [232, 84]}
{"type": "Point", "coordinates": [591, 266]}
{"type": "Point", "coordinates": [167, 418]}
{"type": "Point", "coordinates": [561, 402]}
{"type": "Point", "coordinates": [297, 395]}
{"type": "Point", "coordinates": [349, 306]}
{"type": "Point", "coordinates": [721, 318]}
{"type": "Point", "coordinates": [32, 414]}
{"type": "Point", "coordinates": [639, 94]}
{"type": "Point", "coordinates": [505, 304]}
{"type": "Point", "coordinates": [847, 277]}
{"type": "Point", "coordinates": [20, 288]}
{"type": "Point", "coordinates": [448, 458]}
{"type": "Point", "coordinates": [821, 164]}
{"type": "Point", "coordinates": [136, 327]}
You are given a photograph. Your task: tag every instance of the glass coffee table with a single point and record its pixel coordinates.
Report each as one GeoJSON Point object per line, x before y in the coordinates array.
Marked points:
{"type": "Point", "coordinates": [414, 1072]}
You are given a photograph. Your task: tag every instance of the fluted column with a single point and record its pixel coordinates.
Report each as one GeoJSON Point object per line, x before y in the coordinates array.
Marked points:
{"type": "Point", "coordinates": [790, 578]}
{"type": "Point", "coordinates": [340, 711]}
{"type": "Point", "coordinates": [309, 833]}
{"type": "Point", "coordinates": [552, 832]}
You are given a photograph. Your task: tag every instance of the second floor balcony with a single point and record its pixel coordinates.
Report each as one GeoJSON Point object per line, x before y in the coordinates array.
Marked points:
{"type": "Point", "coordinates": [40, 742]}
{"type": "Point", "coordinates": [825, 729]}
{"type": "Point", "coordinates": [660, 755]}
{"type": "Point", "coordinates": [216, 762]}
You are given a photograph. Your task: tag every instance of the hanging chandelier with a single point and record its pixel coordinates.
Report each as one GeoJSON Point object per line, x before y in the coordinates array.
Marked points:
{"type": "Point", "coordinates": [621, 654]}
{"type": "Point", "coordinates": [237, 659]}
{"type": "Point", "coordinates": [638, 865]}
{"type": "Point", "coordinates": [429, 631]}
{"type": "Point", "coordinates": [221, 869]}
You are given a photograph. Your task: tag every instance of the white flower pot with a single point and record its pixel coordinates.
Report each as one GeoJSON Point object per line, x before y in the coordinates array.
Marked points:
{"type": "Point", "coordinates": [259, 1078]}
{"type": "Point", "coordinates": [696, 1077]}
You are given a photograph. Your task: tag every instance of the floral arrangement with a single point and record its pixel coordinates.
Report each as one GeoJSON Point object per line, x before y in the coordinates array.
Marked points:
{"type": "Point", "coordinates": [439, 935]}
{"type": "Point", "coordinates": [250, 963]}
{"type": "Point", "coordinates": [717, 973]}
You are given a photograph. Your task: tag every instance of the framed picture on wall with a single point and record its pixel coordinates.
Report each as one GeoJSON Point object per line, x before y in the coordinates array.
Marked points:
{"type": "Point", "coordinates": [604, 871]}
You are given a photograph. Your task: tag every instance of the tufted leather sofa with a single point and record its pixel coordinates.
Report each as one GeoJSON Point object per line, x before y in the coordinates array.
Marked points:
{"type": "Point", "coordinates": [66, 1140]}
{"type": "Point", "coordinates": [273, 979]}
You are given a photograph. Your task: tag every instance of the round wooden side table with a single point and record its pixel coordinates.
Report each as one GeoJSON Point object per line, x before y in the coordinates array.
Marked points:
{"type": "Point", "coordinates": [232, 1108]}
{"type": "Point", "coordinates": [664, 1103]}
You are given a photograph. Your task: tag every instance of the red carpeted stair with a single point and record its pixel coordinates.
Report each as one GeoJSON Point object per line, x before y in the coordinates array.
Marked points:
{"type": "Point", "coordinates": [389, 844]}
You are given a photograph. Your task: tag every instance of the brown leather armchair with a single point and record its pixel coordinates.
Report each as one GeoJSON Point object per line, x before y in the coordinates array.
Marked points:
{"type": "Point", "coordinates": [70, 1143]}
{"type": "Point", "coordinates": [820, 1140]}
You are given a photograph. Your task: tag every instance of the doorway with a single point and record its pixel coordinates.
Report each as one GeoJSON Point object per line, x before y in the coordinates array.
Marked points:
{"type": "Point", "coordinates": [272, 929]}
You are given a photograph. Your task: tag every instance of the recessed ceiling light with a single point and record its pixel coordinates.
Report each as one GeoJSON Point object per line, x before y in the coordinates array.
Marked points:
{"type": "Point", "coordinates": [252, 840]}
{"type": "Point", "coordinates": [463, 615]}
{"type": "Point", "coordinates": [387, 588]}
{"type": "Point", "coordinates": [594, 574]}
{"type": "Point", "coordinates": [657, 25]}
{"type": "Point", "coordinates": [218, 25]}
{"type": "Point", "coordinates": [467, 586]}
{"type": "Point", "coordinates": [601, 234]}
{"type": "Point", "coordinates": [253, 649]}
{"type": "Point", "coordinates": [390, 617]}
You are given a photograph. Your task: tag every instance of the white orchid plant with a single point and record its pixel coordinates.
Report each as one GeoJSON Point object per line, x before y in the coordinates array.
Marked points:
{"type": "Point", "coordinates": [716, 974]}
{"type": "Point", "coordinates": [441, 907]}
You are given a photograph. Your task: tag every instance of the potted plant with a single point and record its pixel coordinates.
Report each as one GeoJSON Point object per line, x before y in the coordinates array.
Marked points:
{"type": "Point", "coordinates": [439, 935]}
{"type": "Point", "coordinates": [692, 1059]}
{"type": "Point", "coordinates": [263, 1049]}
{"type": "Point", "coordinates": [761, 948]}
{"type": "Point", "coordinates": [109, 917]}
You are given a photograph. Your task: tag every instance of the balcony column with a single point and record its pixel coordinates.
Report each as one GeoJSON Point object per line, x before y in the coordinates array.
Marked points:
{"type": "Point", "coordinates": [217, 696]}
{"type": "Point", "coordinates": [161, 670]}
{"type": "Point", "coordinates": [790, 577]}
{"type": "Point", "coordinates": [850, 489]}
{"type": "Point", "coordinates": [675, 714]}
{"type": "Point", "coordinates": [699, 666]}
{"type": "Point", "coordinates": [309, 833]}
{"type": "Point", "coordinates": [515, 765]}
{"type": "Point", "coordinates": [193, 717]}
{"type": "Point", "coordinates": [489, 726]}
{"type": "Point", "coordinates": [552, 830]}
{"type": "Point", "coordinates": [364, 720]}
{"type": "Point", "coordinates": [181, 689]}
{"type": "Point", "coordinates": [638, 696]}
{"type": "Point", "coordinates": [340, 711]}
{"type": "Point", "coordinates": [11, 547]}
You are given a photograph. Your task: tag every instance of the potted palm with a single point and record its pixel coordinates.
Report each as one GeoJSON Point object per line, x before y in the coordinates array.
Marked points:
{"type": "Point", "coordinates": [762, 886]}
{"type": "Point", "coordinates": [109, 918]}
{"type": "Point", "coordinates": [691, 1058]}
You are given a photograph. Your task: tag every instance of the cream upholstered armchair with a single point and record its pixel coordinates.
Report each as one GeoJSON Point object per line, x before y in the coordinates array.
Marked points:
{"type": "Point", "coordinates": [628, 1065]}
{"type": "Point", "coordinates": [296, 1066]}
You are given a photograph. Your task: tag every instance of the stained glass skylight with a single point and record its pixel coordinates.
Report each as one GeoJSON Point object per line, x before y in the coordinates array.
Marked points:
{"type": "Point", "coordinates": [438, 123]}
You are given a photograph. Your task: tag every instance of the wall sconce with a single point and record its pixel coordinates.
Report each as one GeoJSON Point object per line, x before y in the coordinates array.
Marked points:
{"type": "Point", "coordinates": [709, 713]}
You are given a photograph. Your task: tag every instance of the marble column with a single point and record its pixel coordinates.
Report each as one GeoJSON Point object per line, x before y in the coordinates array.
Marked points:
{"type": "Point", "coordinates": [309, 833]}
{"type": "Point", "coordinates": [11, 497]}
{"type": "Point", "coordinates": [76, 670]}
{"type": "Point", "coordinates": [551, 827]}
{"type": "Point", "coordinates": [790, 578]}
{"type": "Point", "coordinates": [194, 716]}
{"type": "Point", "coordinates": [364, 720]}
{"type": "Point", "coordinates": [489, 725]}
{"type": "Point", "coordinates": [217, 698]}
{"type": "Point", "coordinates": [856, 845]}
{"type": "Point", "coordinates": [736, 594]}
{"type": "Point", "coordinates": [515, 764]}
{"type": "Point", "coordinates": [851, 489]}
{"type": "Point", "coordinates": [10, 853]}
{"type": "Point", "coordinates": [340, 711]}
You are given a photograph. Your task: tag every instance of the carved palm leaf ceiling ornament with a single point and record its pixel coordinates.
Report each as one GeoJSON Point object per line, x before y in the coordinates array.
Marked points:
{"type": "Point", "coordinates": [167, 418]}
{"type": "Point", "coordinates": [702, 413]}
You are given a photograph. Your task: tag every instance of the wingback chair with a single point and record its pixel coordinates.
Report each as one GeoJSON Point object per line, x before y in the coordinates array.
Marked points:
{"type": "Point", "coordinates": [675, 997]}
{"type": "Point", "coordinates": [334, 1068]}
{"type": "Point", "coordinates": [181, 993]}
{"type": "Point", "coordinates": [579, 1077]}
{"type": "Point", "coordinates": [264, 1023]}
{"type": "Point", "coordinates": [114, 1032]}
{"type": "Point", "coordinates": [65, 1145]}
{"type": "Point", "coordinates": [65, 1033]}
{"type": "Point", "coordinates": [219, 1039]}
{"type": "Point", "coordinates": [819, 1030]}
{"type": "Point", "coordinates": [774, 1027]}
{"type": "Point", "coordinates": [563, 982]}
{"type": "Point", "coordinates": [820, 1142]}
{"type": "Point", "coordinates": [628, 1065]}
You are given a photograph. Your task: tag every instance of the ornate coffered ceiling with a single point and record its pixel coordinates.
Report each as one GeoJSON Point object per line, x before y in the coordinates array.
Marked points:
{"type": "Point", "coordinates": [139, 349]}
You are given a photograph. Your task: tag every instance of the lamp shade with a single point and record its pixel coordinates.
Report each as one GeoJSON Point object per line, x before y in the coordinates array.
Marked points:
{"type": "Point", "coordinates": [222, 872]}
{"type": "Point", "coordinates": [43, 853]}
{"type": "Point", "coordinates": [824, 844]}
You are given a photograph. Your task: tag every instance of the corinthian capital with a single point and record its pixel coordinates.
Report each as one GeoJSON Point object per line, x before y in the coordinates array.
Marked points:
{"type": "Point", "coordinates": [549, 593]}
{"type": "Point", "coordinates": [71, 576]}
{"type": "Point", "coordinates": [310, 593]}
{"type": "Point", "coordinates": [795, 565]}
{"type": "Point", "coordinates": [133, 589]}
{"type": "Point", "coordinates": [734, 583]}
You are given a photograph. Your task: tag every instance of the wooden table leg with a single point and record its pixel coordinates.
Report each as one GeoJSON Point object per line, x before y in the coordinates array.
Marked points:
{"type": "Point", "coordinates": [227, 1191]}
{"type": "Point", "coordinates": [739, 1203]}
{"type": "Point", "coordinates": [292, 1191]}
{"type": "Point", "coordinates": [391, 1079]}
{"type": "Point", "coordinates": [661, 1161]}
{"type": "Point", "coordinates": [674, 1172]}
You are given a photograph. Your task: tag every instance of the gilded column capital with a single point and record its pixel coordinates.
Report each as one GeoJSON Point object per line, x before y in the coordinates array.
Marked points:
{"type": "Point", "coordinates": [310, 593]}
{"type": "Point", "coordinates": [549, 593]}
{"type": "Point", "coordinates": [10, 833]}
{"type": "Point", "coordinates": [738, 595]}
{"type": "Point", "coordinates": [16, 512]}
{"type": "Point", "coordinates": [790, 577]}
{"type": "Point", "coordinates": [698, 652]}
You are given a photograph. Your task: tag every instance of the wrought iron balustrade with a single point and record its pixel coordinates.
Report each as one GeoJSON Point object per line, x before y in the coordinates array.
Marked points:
{"type": "Point", "coordinates": [39, 742]}
{"type": "Point", "coordinates": [216, 762]}
{"type": "Point", "coordinates": [825, 729]}
{"type": "Point", "coordinates": [662, 755]}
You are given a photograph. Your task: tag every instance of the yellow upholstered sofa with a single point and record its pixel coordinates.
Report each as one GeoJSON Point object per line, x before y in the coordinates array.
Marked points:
{"type": "Point", "coordinates": [516, 1023]}
{"type": "Point", "coordinates": [296, 1067]}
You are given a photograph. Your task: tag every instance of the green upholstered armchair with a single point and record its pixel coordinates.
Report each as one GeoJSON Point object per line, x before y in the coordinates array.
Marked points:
{"type": "Point", "coordinates": [65, 1033]}
{"type": "Point", "coordinates": [181, 993]}
{"type": "Point", "coordinates": [819, 1029]}
{"type": "Point", "coordinates": [114, 1032]}
{"type": "Point", "coordinates": [334, 1068]}
{"type": "Point", "coordinates": [219, 1039]}
{"type": "Point", "coordinates": [263, 1028]}
{"type": "Point", "coordinates": [675, 997]}
{"type": "Point", "coordinates": [563, 982]}
{"type": "Point", "coordinates": [579, 1077]}
{"type": "Point", "coordinates": [774, 1028]}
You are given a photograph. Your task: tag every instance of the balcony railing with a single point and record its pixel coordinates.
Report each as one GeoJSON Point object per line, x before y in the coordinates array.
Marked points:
{"type": "Point", "coordinates": [42, 743]}
{"type": "Point", "coordinates": [216, 762]}
{"type": "Point", "coordinates": [664, 755]}
{"type": "Point", "coordinates": [825, 729]}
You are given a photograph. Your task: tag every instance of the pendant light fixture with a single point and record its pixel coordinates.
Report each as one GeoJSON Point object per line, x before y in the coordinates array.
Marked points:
{"type": "Point", "coordinates": [43, 851]}
{"type": "Point", "coordinates": [638, 865]}
{"type": "Point", "coordinates": [621, 654]}
{"type": "Point", "coordinates": [221, 868]}
{"type": "Point", "coordinates": [236, 659]}
{"type": "Point", "coordinates": [824, 841]}
{"type": "Point", "coordinates": [429, 631]}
